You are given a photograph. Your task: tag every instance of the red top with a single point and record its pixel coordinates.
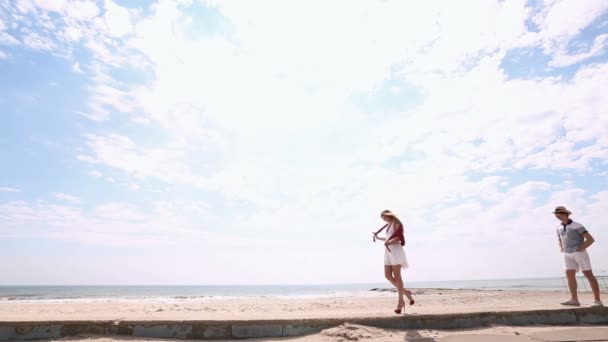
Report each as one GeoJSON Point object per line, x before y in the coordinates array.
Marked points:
{"type": "Point", "coordinates": [397, 233]}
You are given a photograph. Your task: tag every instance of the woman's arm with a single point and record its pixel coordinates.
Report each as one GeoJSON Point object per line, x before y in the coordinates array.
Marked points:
{"type": "Point", "coordinates": [396, 239]}
{"type": "Point", "coordinates": [376, 237]}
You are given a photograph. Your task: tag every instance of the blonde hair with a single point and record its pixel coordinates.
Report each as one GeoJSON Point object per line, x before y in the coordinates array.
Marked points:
{"type": "Point", "coordinates": [388, 213]}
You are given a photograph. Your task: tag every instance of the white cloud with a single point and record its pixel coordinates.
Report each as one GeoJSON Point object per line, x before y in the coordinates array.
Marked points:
{"type": "Point", "coordinates": [7, 39]}
{"type": "Point", "coordinates": [294, 126]}
{"type": "Point", "coordinates": [66, 197]}
{"type": "Point", "coordinates": [562, 20]}
{"type": "Point", "coordinates": [97, 113]}
{"type": "Point", "coordinates": [73, 9]}
{"type": "Point", "coordinates": [6, 189]}
{"type": "Point", "coordinates": [73, 34]}
{"type": "Point", "coordinates": [38, 42]}
{"type": "Point", "coordinates": [117, 19]}
{"type": "Point", "coordinates": [120, 152]}
{"type": "Point", "coordinates": [69, 222]}
{"type": "Point", "coordinates": [96, 174]}
{"type": "Point", "coordinates": [51, 5]}
{"type": "Point", "coordinates": [76, 68]}
{"type": "Point", "coordinates": [117, 100]}
{"type": "Point", "coordinates": [3, 55]}
{"type": "Point", "coordinates": [117, 224]}
{"type": "Point", "coordinates": [516, 218]}
{"type": "Point", "coordinates": [110, 52]}
{"type": "Point", "coordinates": [598, 47]}
{"type": "Point", "coordinates": [86, 158]}
{"type": "Point", "coordinates": [25, 6]}
{"type": "Point", "coordinates": [81, 9]}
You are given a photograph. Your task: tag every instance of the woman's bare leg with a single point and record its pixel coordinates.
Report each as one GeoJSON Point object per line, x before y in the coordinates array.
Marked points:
{"type": "Point", "coordinates": [398, 283]}
{"type": "Point", "coordinates": [388, 274]}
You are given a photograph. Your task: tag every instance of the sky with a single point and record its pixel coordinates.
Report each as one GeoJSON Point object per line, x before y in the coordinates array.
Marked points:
{"type": "Point", "coordinates": [242, 142]}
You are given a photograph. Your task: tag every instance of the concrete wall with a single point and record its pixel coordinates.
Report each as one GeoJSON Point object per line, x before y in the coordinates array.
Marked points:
{"type": "Point", "coordinates": [277, 328]}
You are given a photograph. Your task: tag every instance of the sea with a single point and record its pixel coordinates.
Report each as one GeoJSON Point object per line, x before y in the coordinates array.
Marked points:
{"type": "Point", "coordinates": [160, 293]}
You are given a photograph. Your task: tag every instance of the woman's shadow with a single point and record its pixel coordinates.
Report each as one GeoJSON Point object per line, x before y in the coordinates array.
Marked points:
{"type": "Point", "coordinates": [414, 335]}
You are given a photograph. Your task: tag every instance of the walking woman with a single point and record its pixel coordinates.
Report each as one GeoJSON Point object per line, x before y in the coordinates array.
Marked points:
{"type": "Point", "coordinates": [394, 256]}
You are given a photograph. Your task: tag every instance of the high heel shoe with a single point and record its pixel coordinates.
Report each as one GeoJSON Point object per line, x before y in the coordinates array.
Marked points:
{"type": "Point", "coordinates": [400, 307]}
{"type": "Point", "coordinates": [408, 294]}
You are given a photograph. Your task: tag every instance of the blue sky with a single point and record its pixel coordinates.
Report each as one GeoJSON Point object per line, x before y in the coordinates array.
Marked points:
{"type": "Point", "coordinates": [222, 142]}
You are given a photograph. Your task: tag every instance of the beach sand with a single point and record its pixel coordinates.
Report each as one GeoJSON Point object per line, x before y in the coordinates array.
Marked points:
{"type": "Point", "coordinates": [374, 304]}
{"type": "Point", "coordinates": [428, 301]}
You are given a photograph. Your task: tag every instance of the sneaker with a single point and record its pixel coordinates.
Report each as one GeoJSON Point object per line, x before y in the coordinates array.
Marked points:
{"type": "Point", "coordinates": [597, 304]}
{"type": "Point", "coordinates": [571, 303]}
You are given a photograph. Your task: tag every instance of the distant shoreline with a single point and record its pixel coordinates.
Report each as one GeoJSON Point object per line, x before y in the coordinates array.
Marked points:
{"type": "Point", "coordinates": [204, 292]}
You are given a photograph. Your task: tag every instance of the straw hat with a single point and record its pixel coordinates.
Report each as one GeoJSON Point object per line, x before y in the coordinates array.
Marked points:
{"type": "Point", "coordinates": [562, 210]}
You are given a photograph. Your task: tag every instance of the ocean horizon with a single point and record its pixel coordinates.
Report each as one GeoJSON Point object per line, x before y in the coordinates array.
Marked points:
{"type": "Point", "coordinates": [210, 292]}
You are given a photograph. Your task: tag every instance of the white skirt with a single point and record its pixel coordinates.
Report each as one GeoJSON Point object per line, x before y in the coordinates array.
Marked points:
{"type": "Point", "coordinates": [395, 257]}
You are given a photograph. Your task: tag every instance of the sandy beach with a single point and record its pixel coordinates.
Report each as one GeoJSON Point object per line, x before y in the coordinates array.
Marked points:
{"type": "Point", "coordinates": [428, 301]}
{"type": "Point", "coordinates": [374, 304]}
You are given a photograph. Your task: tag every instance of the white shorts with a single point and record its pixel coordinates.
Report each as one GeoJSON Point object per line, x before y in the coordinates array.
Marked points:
{"type": "Point", "coordinates": [395, 257]}
{"type": "Point", "coordinates": [577, 261]}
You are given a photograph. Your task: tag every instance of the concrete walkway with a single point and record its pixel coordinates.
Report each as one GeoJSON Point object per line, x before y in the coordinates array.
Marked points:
{"type": "Point", "coordinates": [278, 328]}
{"type": "Point", "coordinates": [565, 335]}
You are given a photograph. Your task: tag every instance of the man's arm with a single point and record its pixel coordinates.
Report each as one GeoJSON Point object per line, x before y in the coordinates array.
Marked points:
{"type": "Point", "coordinates": [561, 248]}
{"type": "Point", "coordinates": [589, 240]}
